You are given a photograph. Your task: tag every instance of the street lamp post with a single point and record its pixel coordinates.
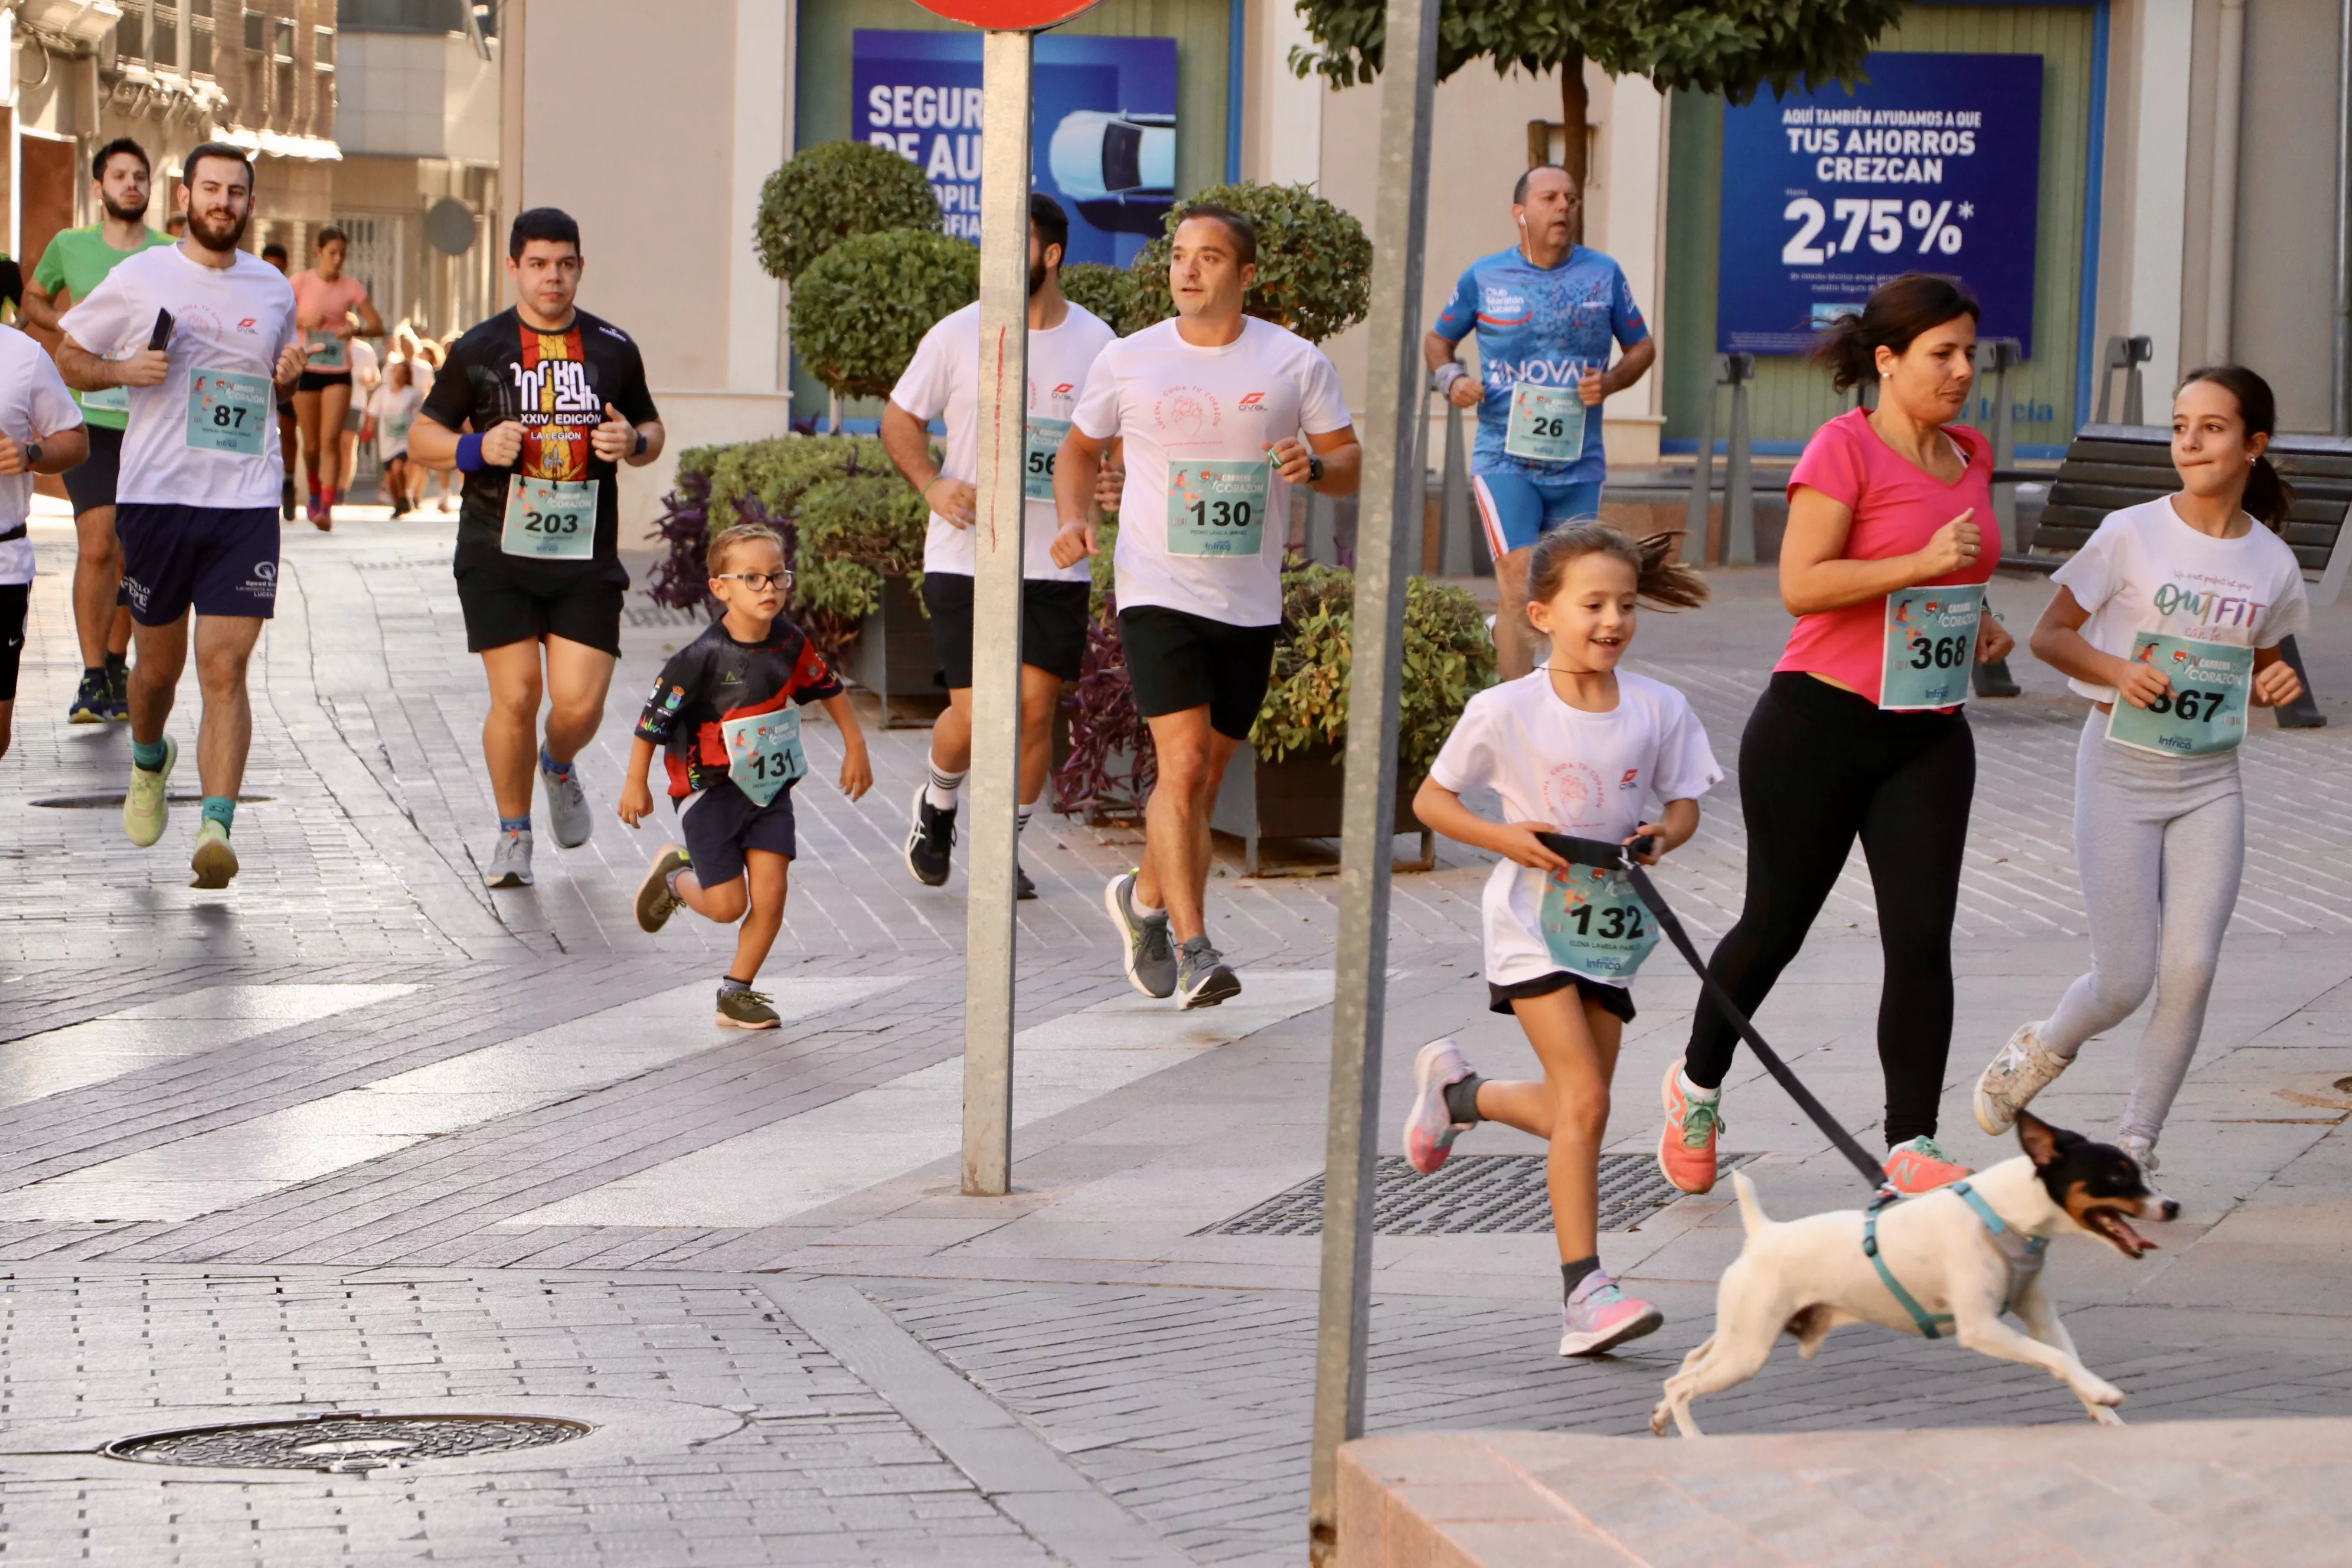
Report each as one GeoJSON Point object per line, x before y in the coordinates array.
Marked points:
{"type": "Point", "coordinates": [988, 924]}
{"type": "Point", "coordinates": [1395, 492]}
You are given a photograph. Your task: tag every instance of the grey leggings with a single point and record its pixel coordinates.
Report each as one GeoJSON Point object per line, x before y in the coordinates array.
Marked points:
{"type": "Point", "coordinates": [2161, 842]}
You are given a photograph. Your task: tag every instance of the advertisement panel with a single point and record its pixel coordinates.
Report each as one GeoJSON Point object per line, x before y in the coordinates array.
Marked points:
{"type": "Point", "coordinates": [1104, 139]}
{"type": "Point", "coordinates": [1932, 166]}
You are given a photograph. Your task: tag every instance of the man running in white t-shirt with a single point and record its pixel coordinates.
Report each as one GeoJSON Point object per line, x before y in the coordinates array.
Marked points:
{"type": "Point", "coordinates": [1211, 406]}
{"type": "Point", "coordinates": [943, 380]}
{"type": "Point", "coordinates": [196, 503]}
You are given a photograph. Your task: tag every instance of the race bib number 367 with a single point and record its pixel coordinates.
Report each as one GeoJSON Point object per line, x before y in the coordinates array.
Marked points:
{"type": "Point", "coordinates": [2205, 711]}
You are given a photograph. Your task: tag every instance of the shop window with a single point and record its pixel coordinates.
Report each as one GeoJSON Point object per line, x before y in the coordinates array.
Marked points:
{"type": "Point", "coordinates": [257, 30]}
{"type": "Point", "coordinates": [322, 47]}
{"type": "Point", "coordinates": [131, 33]}
{"type": "Point", "coordinates": [200, 45]}
{"type": "Point", "coordinates": [163, 37]}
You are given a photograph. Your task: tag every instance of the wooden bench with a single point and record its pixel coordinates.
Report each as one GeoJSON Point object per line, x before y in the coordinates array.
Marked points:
{"type": "Point", "coordinates": [2109, 466]}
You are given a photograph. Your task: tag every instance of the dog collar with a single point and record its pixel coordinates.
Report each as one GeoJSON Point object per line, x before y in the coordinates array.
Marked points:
{"type": "Point", "coordinates": [2022, 1252]}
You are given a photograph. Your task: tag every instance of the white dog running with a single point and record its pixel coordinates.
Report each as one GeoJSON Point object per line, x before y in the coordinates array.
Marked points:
{"type": "Point", "coordinates": [1811, 1275]}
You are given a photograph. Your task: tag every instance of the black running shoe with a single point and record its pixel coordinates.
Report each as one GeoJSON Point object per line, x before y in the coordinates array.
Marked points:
{"type": "Point", "coordinates": [286, 500]}
{"type": "Point", "coordinates": [1023, 887]}
{"type": "Point", "coordinates": [118, 693]}
{"type": "Point", "coordinates": [930, 836]}
{"type": "Point", "coordinates": [91, 701]}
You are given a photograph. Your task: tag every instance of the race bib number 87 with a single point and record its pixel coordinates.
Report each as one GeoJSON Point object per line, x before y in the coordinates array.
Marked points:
{"type": "Point", "coordinates": [228, 411]}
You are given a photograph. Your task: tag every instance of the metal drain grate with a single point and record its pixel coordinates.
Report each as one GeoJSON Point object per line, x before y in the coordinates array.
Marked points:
{"type": "Point", "coordinates": [1471, 1194]}
{"type": "Point", "coordinates": [105, 801]}
{"type": "Point", "coordinates": [342, 1443]}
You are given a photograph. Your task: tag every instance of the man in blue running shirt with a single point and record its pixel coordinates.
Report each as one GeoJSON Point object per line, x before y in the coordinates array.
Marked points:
{"type": "Point", "coordinates": [1544, 311]}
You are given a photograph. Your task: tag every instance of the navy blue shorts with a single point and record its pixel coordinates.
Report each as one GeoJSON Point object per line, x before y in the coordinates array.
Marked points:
{"type": "Point", "coordinates": [218, 561]}
{"type": "Point", "coordinates": [722, 823]}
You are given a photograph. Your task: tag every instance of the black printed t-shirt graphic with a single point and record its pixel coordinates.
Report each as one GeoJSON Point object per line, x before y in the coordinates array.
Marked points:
{"type": "Point", "coordinates": [556, 384]}
{"type": "Point", "coordinates": [714, 679]}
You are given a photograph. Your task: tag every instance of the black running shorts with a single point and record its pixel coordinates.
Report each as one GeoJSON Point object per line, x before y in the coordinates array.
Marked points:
{"type": "Point", "coordinates": [1177, 660]}
{"type": "Point", "coordinates": [722, 823]}
{"type": "Point", "coordinates": [1615, 1000]}
{"type": "Point", "coordinates": [320, 380]}
{"type": "Point", "coordinates": [502, 607]}
{"type": "Point", "coordinates": [90, 483]}
{"type": "Point", "coordinates": [13, 598]}
{"type": "Point", "coordinates": [1052, 626]}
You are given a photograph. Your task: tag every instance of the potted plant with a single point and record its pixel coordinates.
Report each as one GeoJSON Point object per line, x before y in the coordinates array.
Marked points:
{"type": "Point", "coordinates": [853, 535]}
{"type": "Point", "coordinates": [1285, 783]}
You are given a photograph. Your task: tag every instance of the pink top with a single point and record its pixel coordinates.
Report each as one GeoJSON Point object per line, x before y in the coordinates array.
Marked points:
{"type": "Point", "coordinates": [319, 303]}
{"type": "Point", "coordinates": [1897, 508]}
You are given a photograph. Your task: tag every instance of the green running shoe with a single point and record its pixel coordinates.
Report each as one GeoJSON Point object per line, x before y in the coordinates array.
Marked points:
{"type": "Point", "coordinates": [146, 812]}
{"type": "Point", "coordinates": [214, 862]}
{"type": "Point", "coordinates": [746, 1010]}
{"type": "Point", "coordinates": [656, 902]}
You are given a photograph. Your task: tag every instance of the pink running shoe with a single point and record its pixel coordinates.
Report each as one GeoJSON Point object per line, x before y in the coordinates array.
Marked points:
{"type": "Point", "coordinates": [1687, 1147]}
{"type": "Point", "coordinates": [1429, 1129]}
{"type": "Point", "coordinates": [1598, 1316]}
{"type": "Point", "coordinates": [1921, 1165]}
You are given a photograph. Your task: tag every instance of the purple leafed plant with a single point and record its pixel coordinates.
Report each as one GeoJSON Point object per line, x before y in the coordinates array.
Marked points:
{"type": "Point", "coordinates": [1111, 766]}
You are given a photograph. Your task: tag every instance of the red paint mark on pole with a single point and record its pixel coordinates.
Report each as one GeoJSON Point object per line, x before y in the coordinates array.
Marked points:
{"type": "Point", "coordinates": [996, 438]}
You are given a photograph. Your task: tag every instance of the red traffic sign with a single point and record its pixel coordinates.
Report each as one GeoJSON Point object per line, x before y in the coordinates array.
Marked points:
{"type": "Point", "coordinates": [1006, 15]}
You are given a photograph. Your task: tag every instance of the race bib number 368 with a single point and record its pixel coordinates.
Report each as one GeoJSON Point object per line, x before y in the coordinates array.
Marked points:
{"type": "Point", "coordinates": [1931, 645]}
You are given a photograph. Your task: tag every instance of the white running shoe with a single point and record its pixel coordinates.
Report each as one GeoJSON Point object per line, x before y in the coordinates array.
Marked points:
{"type": "Point", "coordinates": [509, 864]}
{"type": "Point", "coordinates": [2143, 1150]}
{"type": "Point", "coordinates": [1598, 1316]}
{"type": "Point", "coordinates": [2024, 1069]}
{"type": "Point", "coordinates": [1429, 1127]}
{"type": "Point", "coordinates": [567, 808]}
{"type": "Point", "coordinates": [145, 810]}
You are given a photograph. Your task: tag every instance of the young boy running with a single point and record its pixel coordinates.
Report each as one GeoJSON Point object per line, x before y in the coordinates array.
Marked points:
{"type": "Point", "coordinates": [725, 710]}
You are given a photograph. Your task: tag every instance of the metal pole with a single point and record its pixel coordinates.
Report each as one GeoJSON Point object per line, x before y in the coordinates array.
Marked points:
{"type": "Point", "coordinates": [1702, 492]}
{"type": "Point", "coordinates": [2340, 382]}
{"type": "Point", "coordinates": [1738, 480]}
{"type": "Point", "coordinates": [2000, 356]}
{"type": "Point", "coordinates": [996, 614]}
{"type": "Point", "coordinates": [1461, 547]}
{"type": "Point", "coordinates": [1368, 812]}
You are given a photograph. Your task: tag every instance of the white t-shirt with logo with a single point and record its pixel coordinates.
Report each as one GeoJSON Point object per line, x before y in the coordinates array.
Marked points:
{"type": "Point", "coordinates": [1590, 775]}
{"type": "Point", "coordinates": [1179, 406]}
{"type": "Point", "coordinates": [2145, 570]}
{"type": "Point", "coordinates": [942, 381]}
{"type": "Point", "coordinates": [233, 318]}
{"type": "Point", "coordinates": [34, 403]}
{"type": "Point", "coordinates": [393, 409]}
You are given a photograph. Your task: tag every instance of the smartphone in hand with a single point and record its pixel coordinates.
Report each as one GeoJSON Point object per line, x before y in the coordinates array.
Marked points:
{"type": "Point", "coordinates": [160, 338]}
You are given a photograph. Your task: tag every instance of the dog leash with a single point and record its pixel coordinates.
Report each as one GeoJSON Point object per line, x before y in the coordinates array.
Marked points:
{"type": "Point", "coordinates": [1620, 858]}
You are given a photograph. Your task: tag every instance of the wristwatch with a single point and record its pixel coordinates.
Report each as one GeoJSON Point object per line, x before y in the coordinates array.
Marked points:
{"type": "Point", "coordinates": [1313, 469]}
{"type": "Point", "coordinates": [32, 450]}
{"type": "Point", "coordinates": [641, 446]}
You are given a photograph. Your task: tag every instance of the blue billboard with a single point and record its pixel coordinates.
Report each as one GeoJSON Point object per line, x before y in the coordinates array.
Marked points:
{"type": "Point", "coordinates": [1103, 136]}
{"type": "Point", "coordinates": [1932, 166]}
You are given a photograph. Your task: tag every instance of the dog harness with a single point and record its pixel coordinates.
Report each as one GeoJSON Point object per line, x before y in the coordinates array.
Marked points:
{"type": "Point", "coordinates": [2023, 1253]}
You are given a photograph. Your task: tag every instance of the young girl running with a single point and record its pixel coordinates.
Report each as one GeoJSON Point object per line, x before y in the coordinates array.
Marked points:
{"type": "Point", "coordinates": [2170, 620]}
{"type": "Point", "coordinates": [1575, 748]}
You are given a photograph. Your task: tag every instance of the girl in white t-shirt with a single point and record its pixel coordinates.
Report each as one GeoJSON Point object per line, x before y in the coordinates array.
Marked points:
{"type": "Point", "coordinates": [1576, 748]}
{"type": "Point", "coordinates": [391, 410]}
{"type": "Point", "coordinates": [2170, 620]}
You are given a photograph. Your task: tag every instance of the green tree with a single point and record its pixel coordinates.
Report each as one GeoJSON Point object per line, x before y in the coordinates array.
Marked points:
{"type": "Point", "coordinates": [1727, 47]}
{"type": "Point", "coordinates": [860, 309]}
{"type": "Point", "coordinates": [830, 192]}
{"type": "Point", "coordinates": [1314, 262]}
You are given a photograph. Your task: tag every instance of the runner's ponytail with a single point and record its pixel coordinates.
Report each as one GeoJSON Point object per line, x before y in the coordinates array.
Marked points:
{"type": "Point", "coordinates": [1658, 575]}
{"type": "Point", "coordinates": [2268, 496]}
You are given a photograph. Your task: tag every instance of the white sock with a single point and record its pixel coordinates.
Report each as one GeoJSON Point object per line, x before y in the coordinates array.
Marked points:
{"type": "Point", "coordinates": [1143, 912]}
{"type": "Point", "coordinates": [1020, 818]}
{"type": "Point", "coordinates": [942, 789]}
{"type": "Point", "coordinates": [1693, 1092]}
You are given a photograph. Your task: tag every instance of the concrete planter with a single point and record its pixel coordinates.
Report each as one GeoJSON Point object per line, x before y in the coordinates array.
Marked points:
{"type": "Point", "coordinates": [894, 659]}
{"type": "Point", "coordinates": [1298, 797]}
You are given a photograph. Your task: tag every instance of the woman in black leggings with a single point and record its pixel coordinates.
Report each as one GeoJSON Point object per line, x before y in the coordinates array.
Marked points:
{"type": "Point", "coordinates": [1860, 733]}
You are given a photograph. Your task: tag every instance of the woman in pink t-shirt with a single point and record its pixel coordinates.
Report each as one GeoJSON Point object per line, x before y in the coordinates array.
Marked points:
{"type": "Point", "coordinates": [331, 307]}
{"type": "Point", "coordinates": [1859, 732]}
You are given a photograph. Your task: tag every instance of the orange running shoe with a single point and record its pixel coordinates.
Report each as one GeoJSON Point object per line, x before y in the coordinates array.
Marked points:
{"type": "Point", "coordinates": [1921, 1165]}
{"type": "Point", "coordinates": [1687, 1147]}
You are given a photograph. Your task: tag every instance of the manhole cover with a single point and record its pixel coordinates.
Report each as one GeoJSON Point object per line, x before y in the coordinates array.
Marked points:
{"type": "Point", "coordinates": [105, 801]}
{"type": "Point", "coordinates": [1471, 1194]}
{"type": "Point", "coordinates": [340, 1444]}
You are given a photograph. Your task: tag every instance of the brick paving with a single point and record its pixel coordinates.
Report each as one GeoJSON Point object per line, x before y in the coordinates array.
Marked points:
{"type": "Point", "coordinates": [1163, 1375]}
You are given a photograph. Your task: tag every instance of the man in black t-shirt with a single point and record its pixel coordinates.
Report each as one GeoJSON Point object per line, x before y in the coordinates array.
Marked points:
{"type": "Point", "coordinates": [537, 408]}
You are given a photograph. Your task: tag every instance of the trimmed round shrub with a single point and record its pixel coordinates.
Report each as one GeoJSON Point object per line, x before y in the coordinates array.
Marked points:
{"type": "Point", "coordinates": [861, 309]}
{"type": "Point", "coordinates": [1314, 262]}
{"type": "Point", "coordinates": [830, 192]}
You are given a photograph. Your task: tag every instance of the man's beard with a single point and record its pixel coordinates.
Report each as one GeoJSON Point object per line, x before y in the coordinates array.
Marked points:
{"type": "Point", "coordinates": [226, 236]}
{"type": "Point", "coordinates": [123, 215]}
{"type": "Point", "coordinates": [1037, 277]}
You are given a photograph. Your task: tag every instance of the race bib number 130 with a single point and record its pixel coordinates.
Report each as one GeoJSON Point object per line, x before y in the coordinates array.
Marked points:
{"type": "Point", "coordinates": [1216, 508]}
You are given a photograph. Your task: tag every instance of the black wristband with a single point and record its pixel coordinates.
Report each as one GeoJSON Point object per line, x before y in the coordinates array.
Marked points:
{"type": "Point", "coordinates": [32, 454]}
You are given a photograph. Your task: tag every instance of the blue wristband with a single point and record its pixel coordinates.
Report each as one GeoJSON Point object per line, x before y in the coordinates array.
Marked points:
{"type": "Point", "coordinates": [469, 454]}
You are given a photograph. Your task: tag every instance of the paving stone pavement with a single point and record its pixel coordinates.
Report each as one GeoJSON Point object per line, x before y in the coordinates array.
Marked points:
{"type": "Point", "coordinates": [1070, 1374]}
